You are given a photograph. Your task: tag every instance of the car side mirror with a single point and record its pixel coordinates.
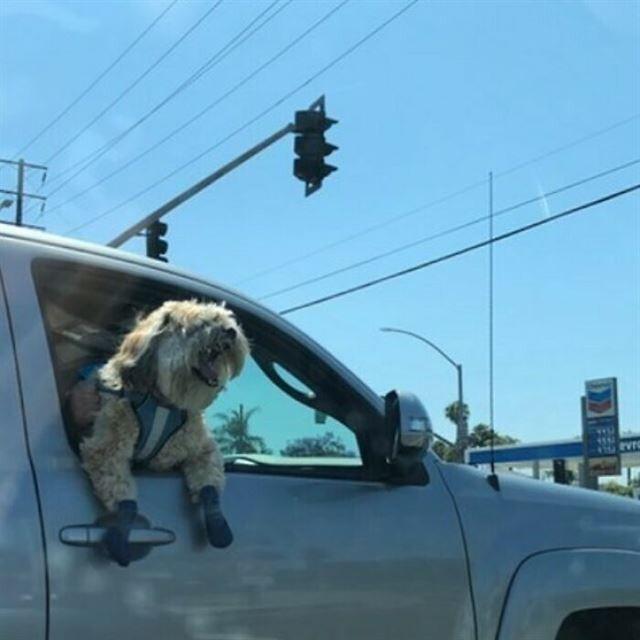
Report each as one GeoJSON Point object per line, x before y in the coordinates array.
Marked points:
{"type": "Point", "coordinates": [410, 432]}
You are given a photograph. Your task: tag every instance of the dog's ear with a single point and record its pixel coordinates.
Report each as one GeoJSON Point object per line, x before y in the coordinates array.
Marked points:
{"type": "Point", "coordinates": [135, 365]}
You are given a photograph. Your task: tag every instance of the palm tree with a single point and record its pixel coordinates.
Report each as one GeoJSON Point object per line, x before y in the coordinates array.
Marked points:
{"type": "Point", "coordinates": [480, 435]}
{"type": "Point", "coordinates": [461, 420]}
{"type": "Point", "coordinates": [452, 412]}
{"type": "Point", "coordinates": [233, 435]}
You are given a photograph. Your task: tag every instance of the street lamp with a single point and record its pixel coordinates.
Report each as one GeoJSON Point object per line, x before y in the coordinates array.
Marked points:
{"type": "Point", "coordinates": [461, 435]}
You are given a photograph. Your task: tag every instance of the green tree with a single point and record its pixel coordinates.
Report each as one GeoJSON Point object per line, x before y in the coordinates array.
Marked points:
{"type": "Point", "coordinates": [326, 445]}
{"type": "Point", "coordinates": [480, 436]}
{"type": "Point", "coordinates": [233, 434]}
{"type": "Point", "coordinates": [452, 412]}
{"type": "Point", "coordinates": [617, 489]}
{"type": "Point", "coordinates": [570, 475]}
{"type": "Point", "coordinates": [444, 451]}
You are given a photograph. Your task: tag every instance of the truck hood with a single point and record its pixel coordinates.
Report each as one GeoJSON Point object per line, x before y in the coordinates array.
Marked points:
{"type": "Point", "coordinates": [532, 516]}
{"type": "Point", "coordinates": [526, 517]}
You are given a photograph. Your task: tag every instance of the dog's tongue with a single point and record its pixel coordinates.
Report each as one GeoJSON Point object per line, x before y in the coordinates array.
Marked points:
{"type": "Point", "coordinates": [207, 368]}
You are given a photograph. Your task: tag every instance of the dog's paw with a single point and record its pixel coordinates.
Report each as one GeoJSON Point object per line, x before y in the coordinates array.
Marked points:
{"type": "Point", "coordinates": [218, 531]}
{"type": "Point", "coordinates": [116, 539]}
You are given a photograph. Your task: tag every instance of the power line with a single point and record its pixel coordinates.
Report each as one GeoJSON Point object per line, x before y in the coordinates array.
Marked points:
{"type": "Point", "coordinates": [209, 64]}
{"type": "Point", "coordinates": [433, 203]}
{"type": "Point", "coordinates": [246, 79]}
{"type": "Point", "coordinates": [363, 232]}
{"type": "Point", "coordinates": [137, 81]}
{"type": "Point", "coordinates": [74, 102]}
{"type": "Point", "coordinates": [569, 145]}
{"type": "Point", "coordinates": [216, 102]}
{"type": "Point", "coordinates": [459, 252]}
{"type": "Point", "coordinates": [255, 119]}
{"type": "Point", "coordinates": [213, 61]}
{"type": "Point", "coordinates": [448, 231]}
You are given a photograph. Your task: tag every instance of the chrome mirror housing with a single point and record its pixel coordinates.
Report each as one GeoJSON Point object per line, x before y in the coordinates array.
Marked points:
{"type": "Point", "coordinates": [409, 420]}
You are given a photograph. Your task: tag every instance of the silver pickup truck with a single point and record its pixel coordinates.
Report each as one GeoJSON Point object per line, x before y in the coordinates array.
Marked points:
{"type": "Point", "coordinates": [373, 537]}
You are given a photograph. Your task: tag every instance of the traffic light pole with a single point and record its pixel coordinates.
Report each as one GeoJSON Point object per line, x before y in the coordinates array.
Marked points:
{"type": "Point", "coordinates": [199, 186]}
{"type": "Point", "coordinates": [310, 145]}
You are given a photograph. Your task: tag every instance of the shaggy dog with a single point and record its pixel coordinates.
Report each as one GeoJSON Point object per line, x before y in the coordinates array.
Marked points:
{"type": "Point", "coordinates": [168, 369]}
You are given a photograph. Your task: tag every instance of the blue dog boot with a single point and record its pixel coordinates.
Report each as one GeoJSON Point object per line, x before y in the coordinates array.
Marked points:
{"type": "Point", "coordinates": [218, 531]}
{"type": "Point", "coordinates": [116, 538]}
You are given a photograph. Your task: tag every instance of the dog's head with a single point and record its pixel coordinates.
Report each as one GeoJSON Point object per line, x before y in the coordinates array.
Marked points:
{"type": "Point", "coordinates": [184, 351]}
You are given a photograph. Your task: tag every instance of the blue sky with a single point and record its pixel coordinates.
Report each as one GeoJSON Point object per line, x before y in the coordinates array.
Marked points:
{"type": "Point", "coordinates": [446, 93]}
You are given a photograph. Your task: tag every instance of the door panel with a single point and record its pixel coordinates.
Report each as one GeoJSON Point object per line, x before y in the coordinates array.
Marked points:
{"type": "Point", "coordinates": [22, 562]}
{"type": "Point", "coordinates": [312, 558]}
{"type": "Point", "coordinates": [340, 559]}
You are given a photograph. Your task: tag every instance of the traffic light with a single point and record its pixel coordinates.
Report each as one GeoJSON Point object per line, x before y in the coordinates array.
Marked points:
{"type": "Point", "coordinates": [156, 246]}
{"type": "Point", "coordinates": [560, 471]}
{"type": "Point", "coordinates": [311, 147]}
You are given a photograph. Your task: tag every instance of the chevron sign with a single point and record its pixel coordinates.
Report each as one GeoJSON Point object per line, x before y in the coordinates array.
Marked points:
{"type": "Point", "coordinates": [601, 431]}
{"type": "Point", "coordinates": [600, 398]}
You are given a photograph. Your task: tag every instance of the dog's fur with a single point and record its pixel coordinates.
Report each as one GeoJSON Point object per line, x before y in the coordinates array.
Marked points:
{"type": "Point", "coordinates": [159, 356]}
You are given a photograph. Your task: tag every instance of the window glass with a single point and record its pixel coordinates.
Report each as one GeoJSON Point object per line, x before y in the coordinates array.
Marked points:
{"type": "Point", "coordinates": [255, 416]}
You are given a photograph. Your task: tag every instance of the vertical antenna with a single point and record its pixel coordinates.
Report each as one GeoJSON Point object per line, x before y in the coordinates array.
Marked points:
{"type": "Point", "coordinates": [20, 193]}
{"type": "Point", "coordinates": [493, 478]}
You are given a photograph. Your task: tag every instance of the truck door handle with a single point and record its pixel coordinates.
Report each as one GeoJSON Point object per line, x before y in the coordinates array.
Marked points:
{"type": "Point", "coordinates": [90, 535]}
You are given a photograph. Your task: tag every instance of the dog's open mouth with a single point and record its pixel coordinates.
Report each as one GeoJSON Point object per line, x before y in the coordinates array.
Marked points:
{"type": "Point", "coordinates": [206, 371]}
{"type": "Point", "coordinates": [210, 381]}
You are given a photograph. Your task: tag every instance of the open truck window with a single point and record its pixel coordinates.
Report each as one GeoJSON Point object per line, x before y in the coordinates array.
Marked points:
{"type": "Point", "coordinates": [285, 411]}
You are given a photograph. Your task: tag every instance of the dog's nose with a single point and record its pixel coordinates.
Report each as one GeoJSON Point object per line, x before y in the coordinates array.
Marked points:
{"type": "Point", "coordinates": [231, 333]}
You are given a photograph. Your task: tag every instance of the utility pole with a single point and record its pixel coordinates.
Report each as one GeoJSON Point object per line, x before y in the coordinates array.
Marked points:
{"type": "Point", "coordinates": [310, 167]}
{"type": "Point", "coordinates": [19, 192]}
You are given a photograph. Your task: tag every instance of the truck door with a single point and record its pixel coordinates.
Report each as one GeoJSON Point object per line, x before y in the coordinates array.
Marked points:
{"type": "Point", "coordinates": [22, 557]}
{"type": "Point", "coordinates": [323, 548]}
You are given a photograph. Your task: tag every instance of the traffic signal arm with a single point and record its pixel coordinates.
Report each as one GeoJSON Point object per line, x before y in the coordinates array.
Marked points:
{"type": "Point", "coordinates": [310, 167]}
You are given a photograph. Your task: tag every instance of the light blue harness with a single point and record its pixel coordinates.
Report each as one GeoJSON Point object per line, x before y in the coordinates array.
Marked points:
{"type": "Point", "coordinates": [157, 422]}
